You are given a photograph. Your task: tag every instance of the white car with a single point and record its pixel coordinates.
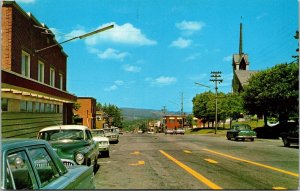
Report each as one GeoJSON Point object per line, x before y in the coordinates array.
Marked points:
{"type": "Point", "coordinates": [100, 137]}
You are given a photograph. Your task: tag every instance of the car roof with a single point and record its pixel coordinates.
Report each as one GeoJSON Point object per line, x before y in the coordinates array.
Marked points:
{"type": "Point", "coordinates": [65, 127]}
{"type": "Point", "coordinates": [20, 142]}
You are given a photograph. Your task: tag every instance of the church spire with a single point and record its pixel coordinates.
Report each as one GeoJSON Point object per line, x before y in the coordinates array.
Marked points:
{"type": "Point", "coordinates": [241, 38]}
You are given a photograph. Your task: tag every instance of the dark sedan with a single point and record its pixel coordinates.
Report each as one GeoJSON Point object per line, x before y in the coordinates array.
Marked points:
{"type": "Point", "coordinates": [291, 136]}
{"type": "Point", "coordinates": [30, 164]}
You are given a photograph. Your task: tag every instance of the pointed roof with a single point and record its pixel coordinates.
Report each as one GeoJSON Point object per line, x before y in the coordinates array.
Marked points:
{"type": "Point", "coordinates": [244, 75]}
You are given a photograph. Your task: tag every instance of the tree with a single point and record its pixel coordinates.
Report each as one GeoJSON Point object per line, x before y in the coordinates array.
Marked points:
{"type": "Point", "coordinates": [114, 117]}
{"type": "Point", "coordinates": [274, 91]}
{"type": "Point", "coordinates": [98, 106]}
{"type": "Point", "coordinates": [203, 106]}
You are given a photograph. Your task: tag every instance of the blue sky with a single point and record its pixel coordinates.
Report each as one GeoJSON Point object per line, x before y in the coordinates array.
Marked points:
{"type": "Point", "coordinates": [159, 48]}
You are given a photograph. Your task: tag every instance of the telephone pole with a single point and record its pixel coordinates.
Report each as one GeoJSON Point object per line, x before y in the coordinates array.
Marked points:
{"type": "Point", "coordinates": [215, 77]}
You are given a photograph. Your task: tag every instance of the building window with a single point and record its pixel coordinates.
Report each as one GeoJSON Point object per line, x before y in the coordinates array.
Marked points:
{"type": "Point", "coordinates": [41, 67]}
{"type": "Point", "coordinates": [25, 64]}
{"type": "Point", "coordinates": [23, 106]}
{"type": "Point", "coordinates": [4, 104]}
{"type": "Point", "coordinates": [52, 77]}
{"type": "Point", "coordinates": [61, 81]}
{"type": "Point", "coordinates": [37, 106]}
{"type": "Point", "coordinates": [29, 107]}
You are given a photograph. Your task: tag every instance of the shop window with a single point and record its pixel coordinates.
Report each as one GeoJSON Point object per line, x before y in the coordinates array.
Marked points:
{"type": "Point", "coordinates": [23, 106]}
{"type": "Point", "coordinates": [61, 81]}
{"type": "Point", "coordinates": [4, 104]}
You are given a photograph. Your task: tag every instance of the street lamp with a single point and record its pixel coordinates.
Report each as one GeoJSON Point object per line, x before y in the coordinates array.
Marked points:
{"type": "Point", "coordinates": [80, 37]}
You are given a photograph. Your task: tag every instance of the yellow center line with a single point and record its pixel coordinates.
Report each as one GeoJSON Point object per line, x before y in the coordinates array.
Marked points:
{"type": "Point", "coordinates": [135, 153]}
{"type": "Point", "coordinates": [211, 161]}
{"type": "Point", "coordinates": [191, 171]}
{"type": "Point", "coordinates": [254, 163]}
{"type": "Point", "coordinates": [186, 151]}
{"type": "Point", "coordinates": [137, 164]}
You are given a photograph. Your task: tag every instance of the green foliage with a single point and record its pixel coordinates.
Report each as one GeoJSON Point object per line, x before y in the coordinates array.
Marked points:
{"type": "Point", "coordinates": [76, 106]}
{"type": "Point", "coordinates": [229, 106]}
{"type": "Point", "coordinates": [274, 92]}
{"type": "Point", "coordinates": [113, 115]}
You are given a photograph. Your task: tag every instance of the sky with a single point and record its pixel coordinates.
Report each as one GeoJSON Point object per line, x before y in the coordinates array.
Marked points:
{"type": "Point", "coordinates": [158, 49]}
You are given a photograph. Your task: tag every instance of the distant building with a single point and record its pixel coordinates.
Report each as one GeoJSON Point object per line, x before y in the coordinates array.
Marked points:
{"type": "Point", "coordinates": [173, 121]}
{"type": "Point", "coordinates": [86, 111]}
{"type": "Point", "coordinates": [197, 123]}
{"type": "Point", "coordinates": [33, 83]}
{"type": "Point", "coordinates": [100, 119]}
{"type": "Point", "coordinates": [240, 64]}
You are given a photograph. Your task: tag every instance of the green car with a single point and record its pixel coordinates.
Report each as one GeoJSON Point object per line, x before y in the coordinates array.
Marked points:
{"type": "Point", "coordinates": [240, 131]}
{"type": "Point", "coordinates": [74, 144]}
{"type": "Point", "coordinates": [31, 164]}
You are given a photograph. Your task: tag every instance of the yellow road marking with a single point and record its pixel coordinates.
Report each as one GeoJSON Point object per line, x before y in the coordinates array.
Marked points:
{"type": "Point", "coordinates": [254, 163]}
{"type": "Point", "coordinates": [138, 163]}
{"type": "Point", "coordinates": [186, 151]}
{"type": "Point", "coordinates": [135, 153]}
{"type": "Point", "coordinates": [191, 171]}
{"type": "Point", "coordinates": [211, 161]}
{"type": "Point", "coordinates": [279, 188]}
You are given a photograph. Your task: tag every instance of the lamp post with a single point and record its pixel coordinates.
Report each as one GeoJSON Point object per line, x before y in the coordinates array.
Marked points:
{"type": "Point", "coordinates": [215, 78]}
{"type": "Point", "coordinates": [80, 37]}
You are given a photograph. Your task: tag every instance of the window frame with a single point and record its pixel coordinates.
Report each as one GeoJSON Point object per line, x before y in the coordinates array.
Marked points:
{"type": "Point", "coordinates": [25, 66]}
{"type": "Point", "coordinates": [41, 71]}
{"type": "Point", "coordinates": [52, 77]}
{"type": "Point", "coordinates": [61, 81]}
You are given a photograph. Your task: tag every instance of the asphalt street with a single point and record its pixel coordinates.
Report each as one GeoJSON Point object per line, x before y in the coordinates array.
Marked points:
{"type": "Point", "coordinates": [159, 161]}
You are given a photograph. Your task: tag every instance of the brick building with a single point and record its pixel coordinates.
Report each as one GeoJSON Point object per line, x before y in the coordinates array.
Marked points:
{"type": "Point", "coordinates": [33, 83]}
{"type": "Point", "coordinates": [173, 121]}
{"type": "Point", "coordinates": [87, 111]}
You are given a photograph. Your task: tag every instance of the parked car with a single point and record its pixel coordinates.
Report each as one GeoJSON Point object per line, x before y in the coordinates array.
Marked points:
{"type": "Point", "coordinates": [180, 131]}
{"type": "Point", "coordinates": [291, 136]}
{"type": "Point", "coordinates": [240, 131]}
{"type": "Point", "coordinates": [169, 131]}
{"type": "Point", "coordinates": [112, 134]}
{"type": "Point", "coordinates": [103, 141]}
{"type": "Point", "coordinates": [31, 164]}
{"type": "Point", "coordinates": [72, 142]}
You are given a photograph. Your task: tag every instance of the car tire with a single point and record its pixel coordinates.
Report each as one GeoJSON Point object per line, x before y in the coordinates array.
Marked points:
{"type": "Point", "coordinates": [252, 139]}
{"type": "Point", "coordinates": [286, 142]}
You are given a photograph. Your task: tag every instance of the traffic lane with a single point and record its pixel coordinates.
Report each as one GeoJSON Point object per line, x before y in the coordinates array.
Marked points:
{"type": "Point", "coordinates": [135, 163]}
{"type": "Point", "coordinates": [231, 174]}
{"type": "Point", "coordinates": [269, 152]}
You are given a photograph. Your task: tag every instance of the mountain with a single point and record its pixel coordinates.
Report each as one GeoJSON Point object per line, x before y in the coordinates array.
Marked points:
{"type": "Point", "coordinates": [130, 114]}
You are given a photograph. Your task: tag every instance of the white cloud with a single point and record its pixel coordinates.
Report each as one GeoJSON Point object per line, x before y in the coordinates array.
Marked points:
{"type": "Point", "coordinates": [109, 54]}
{"type": "Point", "coordinates": [227, 58]}
{"type": "Point", "coordinates": [190, 27]}
{"type": "Point", "coordinates": [181, 43]}
{"type": "Point", "coordinates": [115, 86]}
{"type": "Point", "coordinates": [131, 68]}
{"type": "Point", "coordinates": [192, 57]}
{"type": "Point", "coordinates": [161, 81]}
{"type": "Point", "coordinates": [111, 88]}
{"type": "Point", "coordinates": [123, 34]}
{"type": "Point", "coordinates": [262, 15]}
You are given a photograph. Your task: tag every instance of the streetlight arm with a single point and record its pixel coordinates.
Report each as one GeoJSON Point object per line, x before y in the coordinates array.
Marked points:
{"type": "Point", "coordinates": [201, 84]}
{"type": "Point", "coordinates": [80, 37]}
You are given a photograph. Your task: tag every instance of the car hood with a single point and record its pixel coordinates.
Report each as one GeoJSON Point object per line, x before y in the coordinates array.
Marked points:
{"type": "Point", "coordinates": [63, 147]}
{"type": "Point", "coordinates": [98, 139]}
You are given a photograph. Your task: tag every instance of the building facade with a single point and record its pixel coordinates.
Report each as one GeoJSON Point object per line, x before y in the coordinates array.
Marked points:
{"type": "Point", "coordinates": [87, 111]}
{"type": "Point", "coordinates": [173, 121]}
{"type": "Point", "coordinates": [33, 83]}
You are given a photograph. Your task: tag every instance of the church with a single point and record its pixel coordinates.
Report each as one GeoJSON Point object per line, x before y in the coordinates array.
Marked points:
{"type": "Point", "coordinates": [240, 65]}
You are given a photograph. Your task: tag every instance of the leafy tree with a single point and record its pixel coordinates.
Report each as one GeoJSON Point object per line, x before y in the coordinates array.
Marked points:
{"type": "Point", "coordinates": [98, 106]}
{"type": "Point", "coordinates": [114, 117]}
{"type": "Point", "coordinates": [76, 106]}
{"type": "Point", "coordinates": [274, 91]}
{"type": "Point", "coordinates": [203, 106]}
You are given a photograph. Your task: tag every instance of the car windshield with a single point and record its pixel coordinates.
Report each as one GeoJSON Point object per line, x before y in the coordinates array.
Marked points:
{"type": "Point", "coordinates": [98, 133]}
{"type": "Point", "coordinates": [55, 135]}
{"type": "Point", "coordinates": [241, 127]}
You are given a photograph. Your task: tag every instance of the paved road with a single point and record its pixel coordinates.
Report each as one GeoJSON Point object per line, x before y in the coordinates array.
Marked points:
{"type": "Point", "coordinates": [158, 161]}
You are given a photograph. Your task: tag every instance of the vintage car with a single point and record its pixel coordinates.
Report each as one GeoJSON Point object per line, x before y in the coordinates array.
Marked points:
{"type": "Point", "coordinates": [291, 136]}
{"type": "Point", "coordinates": [103, 141]}
{"type": "Point", "coordinates": [240, 131]}
{"type": "Point", "coordinates": [180, 131]}
{"type": "Point", "coordinates": [72, 142]}
{"type": "Point", "coordinates": [169, 131]}
{"type": "Point", "coordinates": [31, 164]}
{"type": "Point", "coordinates": [112, 134]}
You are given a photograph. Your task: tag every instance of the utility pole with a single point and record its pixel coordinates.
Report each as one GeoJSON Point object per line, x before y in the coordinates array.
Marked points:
{"type": "Point", "coordinates": [215, 77]}
{"type": "Point", "coordinates": [182, 110]}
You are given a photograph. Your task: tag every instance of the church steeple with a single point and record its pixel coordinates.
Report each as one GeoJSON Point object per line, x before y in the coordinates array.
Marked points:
{"type": "Point", "coordinates": [241, 38]}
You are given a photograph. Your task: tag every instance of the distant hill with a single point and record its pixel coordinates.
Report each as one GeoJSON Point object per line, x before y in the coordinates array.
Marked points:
{"type": "Point", "coordinates": [130, 114]}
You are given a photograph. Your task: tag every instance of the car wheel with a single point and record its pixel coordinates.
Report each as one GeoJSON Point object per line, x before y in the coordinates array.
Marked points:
{"type": "Point", "coordinates": [286, 142]}
{"type": "Point", "coordinates": [252, 139]}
